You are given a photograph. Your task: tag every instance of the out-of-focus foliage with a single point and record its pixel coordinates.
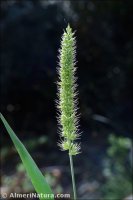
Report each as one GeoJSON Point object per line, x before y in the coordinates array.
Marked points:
{"type": "Point", "coordinates": [118, 168]}
{"type": "Point", "coordinates": [20, 183]}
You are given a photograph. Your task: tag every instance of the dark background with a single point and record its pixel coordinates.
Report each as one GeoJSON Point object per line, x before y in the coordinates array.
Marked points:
{"type": "Point", "coordinates": [30, 38]}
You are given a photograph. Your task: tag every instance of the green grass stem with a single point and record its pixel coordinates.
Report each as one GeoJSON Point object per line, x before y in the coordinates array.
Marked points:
{"type": "Point", "coordinates": [73, 177]}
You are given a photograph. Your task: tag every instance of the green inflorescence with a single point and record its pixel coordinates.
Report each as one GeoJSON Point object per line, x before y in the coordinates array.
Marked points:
{"type": "Point", "coordinates": [67, 94]}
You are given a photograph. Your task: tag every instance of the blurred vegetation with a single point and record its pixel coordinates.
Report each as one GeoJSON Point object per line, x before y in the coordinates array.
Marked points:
{"type": "Point", "coordinates": [114, 182]}
{"type": "Point", "coordinates": [118, 168]}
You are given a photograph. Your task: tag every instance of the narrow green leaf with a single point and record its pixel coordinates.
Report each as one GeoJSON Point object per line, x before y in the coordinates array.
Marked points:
{"type": "Point", "coordinates": [37, 178]}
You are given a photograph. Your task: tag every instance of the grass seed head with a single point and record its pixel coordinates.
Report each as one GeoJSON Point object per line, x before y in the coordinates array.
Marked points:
{"type": "Point", "coordinates": [67, 94]}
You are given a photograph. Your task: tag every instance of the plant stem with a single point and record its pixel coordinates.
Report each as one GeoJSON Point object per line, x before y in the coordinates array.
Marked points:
{"type": "Point", "coordinates": [73, 177]}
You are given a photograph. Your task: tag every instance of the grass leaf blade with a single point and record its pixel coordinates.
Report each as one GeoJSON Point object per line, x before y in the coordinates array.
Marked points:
{"type": "Point", "coordinates": [37, 178]}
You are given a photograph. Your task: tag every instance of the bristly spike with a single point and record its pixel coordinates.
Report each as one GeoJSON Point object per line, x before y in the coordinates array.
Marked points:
{"type": "Point", "coordinates": [67, 94]}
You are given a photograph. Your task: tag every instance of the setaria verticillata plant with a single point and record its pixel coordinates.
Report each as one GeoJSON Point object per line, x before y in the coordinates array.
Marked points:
{"type": "Point", "coordinates": [67, 99]}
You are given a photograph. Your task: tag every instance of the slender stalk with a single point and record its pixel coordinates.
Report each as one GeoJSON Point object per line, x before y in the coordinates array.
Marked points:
{"type": "Point", "coordinates": [73, 177]}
